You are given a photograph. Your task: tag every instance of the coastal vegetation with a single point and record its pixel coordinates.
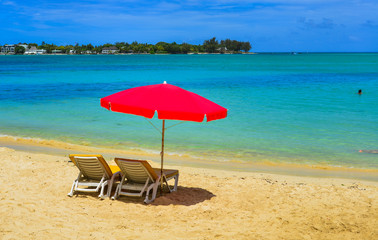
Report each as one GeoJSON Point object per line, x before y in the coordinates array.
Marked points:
{"type": "Point", "coordinates": [209, 46]}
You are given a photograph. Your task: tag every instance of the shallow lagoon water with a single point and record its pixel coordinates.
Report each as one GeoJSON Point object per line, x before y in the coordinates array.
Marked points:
{"type": "Point", "coordinates": [301, 109]}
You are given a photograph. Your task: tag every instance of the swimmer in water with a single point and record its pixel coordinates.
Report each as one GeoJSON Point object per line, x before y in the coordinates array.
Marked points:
{"type": "Point", "coordinates": [359, 92]}
{"type": "Point", "coordinates": [368, 151]}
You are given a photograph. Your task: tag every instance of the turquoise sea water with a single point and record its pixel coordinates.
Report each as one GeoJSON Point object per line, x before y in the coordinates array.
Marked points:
{"type": "Point", "coordinates": [282, 108]}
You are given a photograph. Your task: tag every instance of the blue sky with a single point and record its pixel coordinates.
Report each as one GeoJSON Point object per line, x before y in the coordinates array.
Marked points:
{"type": "Point", "coordinates": [272, 25]}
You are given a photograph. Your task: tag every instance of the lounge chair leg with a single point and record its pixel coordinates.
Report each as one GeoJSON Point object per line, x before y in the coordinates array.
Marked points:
{"type": "Point", "coordinates": [147, 193]}
{"type": "Point", "coordinates": [70, 194]}
{"type": "Point", "coordinates": [115, 196]}
{"type": "Point", "coordinates": [102, 196]}
{"type": "Point", "coordinates": [110, 186]}
{"type": "Point", "coordinates": [154, 191]}
{"type": "Point", "coordinates": [174, 188]}
{"type": "Point", "coordinates": [176, 182]}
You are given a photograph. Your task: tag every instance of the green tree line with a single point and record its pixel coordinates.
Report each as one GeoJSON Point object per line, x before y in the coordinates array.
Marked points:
{"type": "Point", "coordinates": [209, 46]}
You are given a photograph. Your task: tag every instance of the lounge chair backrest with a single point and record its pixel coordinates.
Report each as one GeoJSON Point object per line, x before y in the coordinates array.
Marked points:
{"type": "Point", "coordinates": [92, 166]}
{"type": "Point", "coordinates": [136, 170]}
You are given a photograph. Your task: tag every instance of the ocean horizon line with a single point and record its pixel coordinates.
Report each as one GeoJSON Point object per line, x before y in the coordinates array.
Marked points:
{"type": "Point", "coordinates": [195, 53]}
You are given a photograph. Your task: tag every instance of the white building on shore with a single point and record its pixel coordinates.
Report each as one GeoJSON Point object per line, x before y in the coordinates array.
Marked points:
{"type": "Point", "coordinates": [109, 50]}
{"type": "Point", "coordinates": [31, 51]}
{"type": "Point", "coordinates": [8, 49]}
{"type": "Point", "coordinates": [40, 51]}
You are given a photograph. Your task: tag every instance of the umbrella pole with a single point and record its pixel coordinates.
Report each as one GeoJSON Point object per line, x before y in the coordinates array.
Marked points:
{"type": "Point", "coordinates": [162, 158]}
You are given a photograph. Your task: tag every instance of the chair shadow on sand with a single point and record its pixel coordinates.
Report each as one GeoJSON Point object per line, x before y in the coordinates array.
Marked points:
{"type": "Point", "coordinates": [185, 196]}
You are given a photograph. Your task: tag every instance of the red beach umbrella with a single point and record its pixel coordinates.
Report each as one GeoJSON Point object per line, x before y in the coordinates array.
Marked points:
{"type": "Point", "coordinates": [168, 101]}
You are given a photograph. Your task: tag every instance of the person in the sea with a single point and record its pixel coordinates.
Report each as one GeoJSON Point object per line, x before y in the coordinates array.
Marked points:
{"type": "Point", "coordinates": [360, 92]}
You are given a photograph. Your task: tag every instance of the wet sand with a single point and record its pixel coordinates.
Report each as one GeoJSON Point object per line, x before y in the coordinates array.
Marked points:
{"type": "Point", "coordinates": [60, 148]}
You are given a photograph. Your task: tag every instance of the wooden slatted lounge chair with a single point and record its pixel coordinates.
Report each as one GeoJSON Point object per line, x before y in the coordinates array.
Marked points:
{"type": "Point", "coordinates": [138, 177]}
{"type": "Point", "coordinates": [95, 174]}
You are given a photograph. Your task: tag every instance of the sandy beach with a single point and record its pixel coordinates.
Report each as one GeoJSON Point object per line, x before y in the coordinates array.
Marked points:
{"type": "Point", "coordinates": [209, 204]}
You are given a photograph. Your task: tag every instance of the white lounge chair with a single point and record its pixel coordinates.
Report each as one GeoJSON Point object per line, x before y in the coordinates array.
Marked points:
{"type": "Point", "coordinates": [138, 177]}
{"type": "Point", "coordinates": [95, 174]}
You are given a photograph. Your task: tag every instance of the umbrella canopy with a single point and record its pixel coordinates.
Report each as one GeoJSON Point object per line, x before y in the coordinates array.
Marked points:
{"type": "Point", "coordinates": [169, 101]}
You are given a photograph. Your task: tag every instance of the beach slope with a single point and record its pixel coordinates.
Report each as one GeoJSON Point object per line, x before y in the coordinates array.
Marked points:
{"type": "Point", "coordinates": [209, 204]}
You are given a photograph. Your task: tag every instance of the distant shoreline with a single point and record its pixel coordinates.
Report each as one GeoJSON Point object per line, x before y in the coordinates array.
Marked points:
{"type": "Point", "coordinates": [164, 54]}
{"type": "Point", "coordinates": [100, 54]}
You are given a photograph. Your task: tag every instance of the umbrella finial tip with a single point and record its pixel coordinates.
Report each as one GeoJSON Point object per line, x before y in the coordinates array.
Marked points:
{"type": "Point", "coordinates": [165, 82]}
